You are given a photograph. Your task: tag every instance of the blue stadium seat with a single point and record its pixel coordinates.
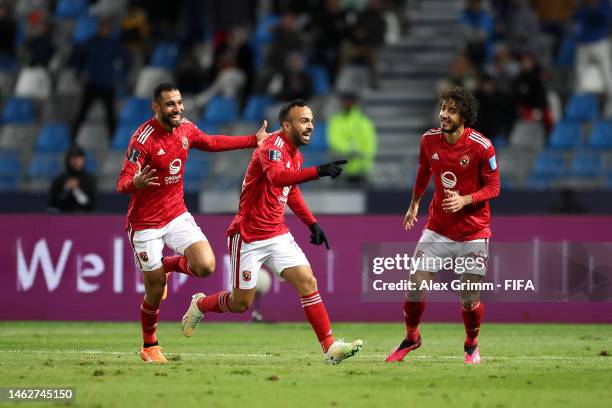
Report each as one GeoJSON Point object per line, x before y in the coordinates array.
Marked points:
{"type": "Point", "coordinates": [582, 107]}
{"type": "Point", "coordinates": [264, 32]}
{"type": "Point", "coordinates": [318, 142]}
{"type": "Point", "coordinates": [567, 52]}
{"type": "Point", "coordinates": [197, 169]}
{"type": "Point", "coordinates": [587, 165]}
{"type": "Point", "coordinates": [91, 163]}
{"type": "Point", "coordinates": [609, 180]}
{"type": "Point", "coordinates": [165, 55]}
{"type": "Point", "coordinates": [221, 110]}
{"type": "Point", "coordinates": [208, 128]}
{"type": "Point", "coordinates": [122, 137]}
{"type": "Point", "coordinates": [321, 83]}
{"type": "Point", "coordinates": [53, 137]}
{"type": "Point", "coordinates": [19, 111]}
{"type": "Point", "coordinates": [84, 29]}
{"type": "Point", "coordinates": [67, 9]}
{"type": "Point", "coordinates": [45, 166]}
{"type": "Point", "coordinates": [601, 135]}
{"type": "Point", "coordinates": [135, 111]}
{"type": "Point", "coordinates": [548, 166]}
{"type": "Point", "coordinates": [566, 135]}
{"type": "Point", "coordinates": [10, 165]}
{"type": "Point", "coordinates": [255, 109]}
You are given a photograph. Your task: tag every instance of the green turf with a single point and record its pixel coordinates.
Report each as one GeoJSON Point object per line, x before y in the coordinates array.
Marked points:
{"type": "Point", "coordinates": [244, 365]}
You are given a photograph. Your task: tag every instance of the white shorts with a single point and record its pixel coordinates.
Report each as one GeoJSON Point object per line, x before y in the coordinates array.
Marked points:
{"type": "Point", "coordinates": [178, 234]}
{"type": "Point", "coordinates": [278, 254]}
{"type": "Point", "coordinates": [435, 252]}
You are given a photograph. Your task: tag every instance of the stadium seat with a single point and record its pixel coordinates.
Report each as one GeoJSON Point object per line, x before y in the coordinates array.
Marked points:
{"type": "Point", "coordinates": [601, 135]}
{"type": "Point", "coordinates": [148, 78]}
{"type": "Point", "coordinates": [566, 135]}
{"type": "Point", "coordinates": [221, 110]}
{"type": "Point", "coordinates": [208, 128]}
{"type": "Point", "coordinates": [33, 82]}
{"type": "Point", "coordinates": [318, 142]}
{"type": "Point", "coordinates": [84, 29]}
{"type": "Point", "coordinates": [587, 165]}
{"type": "Point", "coordinates": [582, 107]}
{"type": "Point", "coordinates": [10, 169]}
{"type": "Point", "coordinates": [548, 166]}
{"type": "Point", "coordinates": [165, 55]}
{"type": "Point", "coordinates": [527, 134]}
{"type": "Point", "coordinates": [196, 171]}
{"type": "Point", "coordinates": [67, 84]}
{"type": "Point", "coordinates": [18, 137]}
{"type": "Point", "coordinates": [69, 9]}
{"type": "Point", "coordinates": [135, 111]}
{"type": "Point", "coordinates": [609, 180]}
{"type": "Point", "coordinates": [255, 109]}
{"type": "Point", "coordinates": [122, 137]}
{"type": "Point", "coordinates": [567, 52]}
{"type": "Point", "coordinates": [321, 83]}
{"type": "Point", "coordinates": [45, 166]}
{"type": "Point", "coordinates": [18, 111]}
{"type": "Point", "coordinates": [91, 163]}
{"type": "Point", "coordinates": [53, 137]}
{"type": "Point", "coordinates": [92, 137]}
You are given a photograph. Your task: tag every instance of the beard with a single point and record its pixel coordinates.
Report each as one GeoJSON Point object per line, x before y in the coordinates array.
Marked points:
{"type": "Point", "coordinates": [171, 122]}
{"type": "Point", "coordinates": [452, 128]}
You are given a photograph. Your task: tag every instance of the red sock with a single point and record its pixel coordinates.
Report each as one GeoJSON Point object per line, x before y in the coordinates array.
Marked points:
{"type": "Point", "coordinates": [177, 264]}
{"type": "Point", "coordinates": [318, 318]}
{"type": "Point", "coordinates": [471, 322]}
{"type": "Point", "coordinates": [216, 303]}
{"type": "Point", "coordinates": [412, 317]}
{"type": "Point", "coordinates": [149, 316]}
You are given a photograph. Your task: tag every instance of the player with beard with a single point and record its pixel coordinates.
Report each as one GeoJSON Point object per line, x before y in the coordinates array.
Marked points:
{"type": "Point", "coordinates": [152, 174]}
{"type": "Point", "coordinates": [258, 234]}
{"type": "Point", "coordinates": [462, 162]}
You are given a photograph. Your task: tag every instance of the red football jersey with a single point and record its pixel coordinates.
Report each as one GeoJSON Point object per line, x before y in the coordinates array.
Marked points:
{"type": "Point", "coordinates": [467, 167]}
{"type": "Point", "coordinates": [151, 144]}
{"type": "Point", "coordinates": [269, 184]}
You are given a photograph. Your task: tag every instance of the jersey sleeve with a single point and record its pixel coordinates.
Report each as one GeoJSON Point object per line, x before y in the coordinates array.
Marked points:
{"type": "Point", "coordinates": [136, 153]}
{"type": "Point", "coordinates": [423, 171]}
{"type": "Point", "coordinates": [296, 202]}
{"type": "Point", "coordinates": [219, 143]}
{"type": "Point", "coordinates": [489, 174]}
{"type": "Point", "coordinates": [272, 165]}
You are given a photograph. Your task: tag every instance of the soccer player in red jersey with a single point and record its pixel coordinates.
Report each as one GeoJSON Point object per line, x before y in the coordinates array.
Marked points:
{"type": "Point", "coordinates": [462, 162]}
{"type": "Point", "coordinates": [153, 174]}
{"type": "Point", "coordinates": [258, 234]}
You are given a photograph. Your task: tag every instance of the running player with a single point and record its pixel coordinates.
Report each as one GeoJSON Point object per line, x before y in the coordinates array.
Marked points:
{"type": "Point", "coordinates": [258, 234]}
{"type": "Point", "coordinates": [466, 177]}
{"type": "Point", "coordinates": [153, 174]}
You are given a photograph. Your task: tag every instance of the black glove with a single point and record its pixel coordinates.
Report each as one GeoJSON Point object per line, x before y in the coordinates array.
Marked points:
{"type": "Point", "coordinates": [318, 236]}
{"type": "Point", "coordinates": [332, 169]}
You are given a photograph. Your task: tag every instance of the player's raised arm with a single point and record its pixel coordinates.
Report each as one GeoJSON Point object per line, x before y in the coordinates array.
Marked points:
{"type": "Point", "coordinates": [220, 143]}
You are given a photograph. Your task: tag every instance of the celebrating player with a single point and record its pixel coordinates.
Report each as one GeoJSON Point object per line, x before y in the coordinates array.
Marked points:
{"type": "Point", "coordinates": [466, 177]}
{"type": "Point", "coordinates": [153, 174]}
{"type": "Point", "coordinates": [258, 234]}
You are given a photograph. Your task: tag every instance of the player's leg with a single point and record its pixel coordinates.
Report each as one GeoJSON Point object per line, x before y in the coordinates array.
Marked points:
{"type": "Point", "coordinates": [148, 246]}
{"type": "Point", "coordinates": [196, 257]}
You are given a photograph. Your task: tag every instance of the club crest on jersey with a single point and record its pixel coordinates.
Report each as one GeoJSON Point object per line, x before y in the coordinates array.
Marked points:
{"type": "Point", "coordinates": [133, 155]}
{"type": "Point", "coordinates": [465, 160]}
{"type": "Point", "coordinates": [274, 155]}
{"type": "Point", "coordinates": [246, 276]}
{"type": "Point", "coordinates": [143, 256]}
{"type": "Point", "coordinates": [184, 142]}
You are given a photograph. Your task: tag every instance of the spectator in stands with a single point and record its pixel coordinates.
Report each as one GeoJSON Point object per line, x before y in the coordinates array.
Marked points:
{"type": "Point", "coordinates": [495, 110]}
{"type": "Point", "coordinates": [229, 81]}
{"type": "Point", "coordinates": [522, 29]}
{"type": "Point", "coordinates": [593, 19]}
{"type": "Point", "coordinates": [75, 189]}
{"type": "Point", "coordinates": [462, 74]}
{"type": "Point", "coordinates": [287, 39]}
{"type": "Point", "coordinates": [100, 63]}
{"type": "Point", "coordinates": [478, 30]}
{"type": "Point", "coordinates": [366, 36]}
{"type": "Point", "coordinates": [8, 28]}
{"type": "Point", "coordinates": [236, 43]}
{"type": "Point", "coordinates": [530, 93]}
{"type": "Point", "coordinates": [554, 17]}
{"type": "Point", "coordinates": [503, 68]}
{"type": "Point", "coordinates": [39, 48]}
{"type": "Point", "coordinates": [352, 135]}
{"type": "Point", "coordinates": [329, 29]}
{"type": "Point", "coordinates": [295, 82]}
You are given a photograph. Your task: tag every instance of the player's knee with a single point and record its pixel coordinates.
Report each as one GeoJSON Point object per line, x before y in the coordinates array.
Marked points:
{"type": "Point", "coordinates": [468, 302]}
{"type": "Point", "coordinates": [308, 284]}
{"type": "Point", "coordinates": [204, 268]}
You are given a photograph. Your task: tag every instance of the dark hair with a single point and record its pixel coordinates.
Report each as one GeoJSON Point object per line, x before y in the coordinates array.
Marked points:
{"type": "Point", "coordinates": [466, 103]}
{"type": "Point", "coordinates": [163, 87]}
{"type": "Point", "coordinates": [284, 111]}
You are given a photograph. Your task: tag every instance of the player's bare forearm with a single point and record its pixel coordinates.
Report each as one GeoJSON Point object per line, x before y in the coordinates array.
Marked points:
{"type": "Point", "coordinates": [410, 218]}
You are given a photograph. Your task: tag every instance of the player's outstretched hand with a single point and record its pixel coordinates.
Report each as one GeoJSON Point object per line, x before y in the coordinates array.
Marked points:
{"type": "Point", "coordinates": [262, 134]}
{"type": "Point", "coordinates": [332, 169]}
{"type": "Point", "coordinates": [318, 236]}
{"type": "Point", "coordinates": [411, 216]}
{"type": "Point", "coordinates": [144, 178]}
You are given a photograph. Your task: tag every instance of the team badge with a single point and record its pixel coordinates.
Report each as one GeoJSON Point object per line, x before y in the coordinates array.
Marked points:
{"type": "Point", "coordinates": [143, 256]}
{"type": "Point", "coordinates": [246, 276]}
{"type": "Point", "coordinates": [274, 155]}
{"type": "Point", "coordinates": [133, 155]}
{"type": "Point", "coordinates": [464, 161]}
{"type": "Point", "coordinates": [185, 142]}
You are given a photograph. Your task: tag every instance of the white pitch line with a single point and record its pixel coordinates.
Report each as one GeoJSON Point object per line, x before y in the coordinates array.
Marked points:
{"type": "Point", "coordinates": [376, 356]}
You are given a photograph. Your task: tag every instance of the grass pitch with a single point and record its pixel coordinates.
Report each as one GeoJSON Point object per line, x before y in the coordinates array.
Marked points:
{"type": "Point", "coordinates": [280, 365]}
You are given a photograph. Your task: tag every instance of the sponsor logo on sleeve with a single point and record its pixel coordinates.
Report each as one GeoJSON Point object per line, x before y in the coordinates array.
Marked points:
{"type": "Point", "coordinates": [133, 155]}
{"type": "Point", "coordinates": [274, 155]}
{"type": "Point", "coordinates": [493, 163]}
